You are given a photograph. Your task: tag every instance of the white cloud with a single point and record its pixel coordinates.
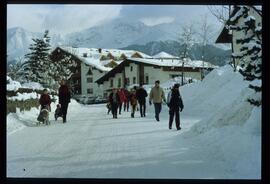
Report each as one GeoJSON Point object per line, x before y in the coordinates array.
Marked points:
{"type": "Point", "coordinates": [60, 18]}
{"type": "Point", "coordinates": [71, 18]}
{"type": "Point", "coordinates": [152, 21]}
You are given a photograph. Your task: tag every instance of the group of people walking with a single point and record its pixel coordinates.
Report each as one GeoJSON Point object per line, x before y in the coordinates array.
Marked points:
{"type": "Point", "coordinates": [120, 97]}
{"type": "Point", "coordinates": [136, 96]}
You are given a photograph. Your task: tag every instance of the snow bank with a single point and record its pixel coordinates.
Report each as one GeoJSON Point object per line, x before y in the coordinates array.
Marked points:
{"type": "Point", "coordinates": [32, 85]}
{"type": "Point", "coordinates": [24, 96]}
{"type": "Point", "coordinates": [220, 91]}
{"type": "Point", "coordinates": [12, 85]}
{"type": "Point", "coordinates": [13, 123]}
{"type": "Point", "coordinates": [15, 85]}
{"type": "Point", "coordinates": [229, 128]}
{"type": "Point", "coordinates": [19, 120]}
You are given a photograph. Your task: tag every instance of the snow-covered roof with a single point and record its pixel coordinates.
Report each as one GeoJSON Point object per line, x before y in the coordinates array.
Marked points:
{"type": "Point", "coordinates": [176, 62]}
{"type": "Point", "coordinates": [92, 56]}
{"type": "Point", "coordinates": [164, 55]}
{"type": "Point", "coordinates": [128, 53]}
{"type": "Point", "coordinates": [89, 56]}
{"type": "Point", "coordinates": [94, 52]}
{"type": "Point", "coordinates": [157, 62]}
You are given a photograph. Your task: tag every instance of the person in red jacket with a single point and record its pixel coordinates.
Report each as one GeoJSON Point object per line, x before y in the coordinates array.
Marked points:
{"type": "Point", "coordinates": [122, 97]}
{"type": "Point", "coordinates": [64, 98]}
{"type": "Point", "coordinates": [45, 100]}
{"type": "Point", "coordinates": [127, 100]}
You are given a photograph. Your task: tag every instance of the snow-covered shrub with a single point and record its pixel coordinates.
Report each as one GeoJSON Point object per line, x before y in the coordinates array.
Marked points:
{"type": "Point", "coordinates": [250, 54]}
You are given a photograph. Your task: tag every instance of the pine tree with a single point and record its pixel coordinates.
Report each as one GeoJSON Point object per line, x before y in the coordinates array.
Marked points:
{"type": "Point", "coordinates": [37, 65]}
{"type": "Point", "coordinates": [64, 68]}
{"type": "Point", "coordinates": [250, 54]}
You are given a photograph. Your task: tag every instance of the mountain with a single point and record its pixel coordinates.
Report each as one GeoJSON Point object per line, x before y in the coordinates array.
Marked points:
{"type": "Point", "coordinates": [212, 54]}
{"type": "Point", "coordinates": [118, 33]}
{"type": "Point", "coordinates": [121, 33]}
{"type": "Point", "coordinates": [19, 40]}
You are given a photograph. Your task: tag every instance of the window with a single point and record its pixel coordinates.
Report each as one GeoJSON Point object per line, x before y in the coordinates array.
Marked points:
{"type": "Point", "coordinates": [89, 80]}
{"type": "Point", "coordinates": [134, 80]}
{"type": "Point", "coordinates": [119, 82]}
{"type": "Point", "coordinates": [90, 91]}
{"type": "Point", "coordinates": [131, 68]}
{"type": "Point", "coordinates": [147, 79]}
{"type": "Point", "coordinates": [90, 72]}
{"type": "Point", "coordinates": [111, 82]}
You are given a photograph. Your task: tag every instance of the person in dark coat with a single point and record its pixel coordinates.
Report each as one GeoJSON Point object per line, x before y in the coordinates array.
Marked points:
{"type": "Point", "coordinates": [64, 98]}
{"type": "Point", "coordinates": [45, 100]}
{"type": "Point", "coordinates": [141, 94]}
{"type": "Point", "coordinates": [175, 103]}
{"type": "Point", "coordinates": [108, 105]}
{"type": "Point", "coordinates": [114, 101]}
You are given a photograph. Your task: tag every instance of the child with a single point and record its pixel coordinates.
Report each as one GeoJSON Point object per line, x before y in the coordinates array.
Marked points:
{"type": "Point", "coordinates": [58, 112]}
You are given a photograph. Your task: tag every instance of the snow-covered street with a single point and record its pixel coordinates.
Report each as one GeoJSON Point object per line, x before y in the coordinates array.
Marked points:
{"type": "Point", "coordinates": [220, 138]}
{"type": "Point", "coordinates": [92, 144]}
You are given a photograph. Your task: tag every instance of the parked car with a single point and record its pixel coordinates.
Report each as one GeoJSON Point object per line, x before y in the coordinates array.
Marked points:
{"type": "Point", "coordinates": [100, 100]}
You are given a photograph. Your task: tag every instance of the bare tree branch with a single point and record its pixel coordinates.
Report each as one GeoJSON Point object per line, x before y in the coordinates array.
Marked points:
{"type": "Point", "coordinates": [220, 12]}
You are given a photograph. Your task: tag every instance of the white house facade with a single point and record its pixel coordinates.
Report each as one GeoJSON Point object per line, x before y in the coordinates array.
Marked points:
{"type": "Point", "coordinates": [89, 75]}
{"type": "Point", "coordinates": [135, 71]}
{"type": "Point", "coordinates": [93, 63]}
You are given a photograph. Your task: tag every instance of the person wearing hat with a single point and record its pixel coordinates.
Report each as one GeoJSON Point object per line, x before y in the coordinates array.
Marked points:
{"type": "Point", "coordinates": [175, 104]}
{"type": "Point", "coordinates": [157, 95]}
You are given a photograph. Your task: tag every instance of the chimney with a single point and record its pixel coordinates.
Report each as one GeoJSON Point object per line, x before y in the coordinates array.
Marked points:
{"type": "Point", "coordinates": [99, 50]}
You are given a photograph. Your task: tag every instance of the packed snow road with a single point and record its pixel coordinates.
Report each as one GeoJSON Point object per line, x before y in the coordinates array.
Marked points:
{"type": "Point", "coordinates": [220, 138]}
{"type": "Point", "coordinates": [92, 145]}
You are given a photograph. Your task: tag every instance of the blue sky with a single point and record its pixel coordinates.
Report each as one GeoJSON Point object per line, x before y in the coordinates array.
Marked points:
{"type": "Point", "coordinates": [70, 18]}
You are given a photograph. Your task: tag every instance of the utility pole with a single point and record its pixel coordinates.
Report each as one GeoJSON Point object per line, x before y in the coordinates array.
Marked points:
{"type": "Point", "coordinates": [182, 81]}
{"type": "Point", "coordinates": [202, 70]}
